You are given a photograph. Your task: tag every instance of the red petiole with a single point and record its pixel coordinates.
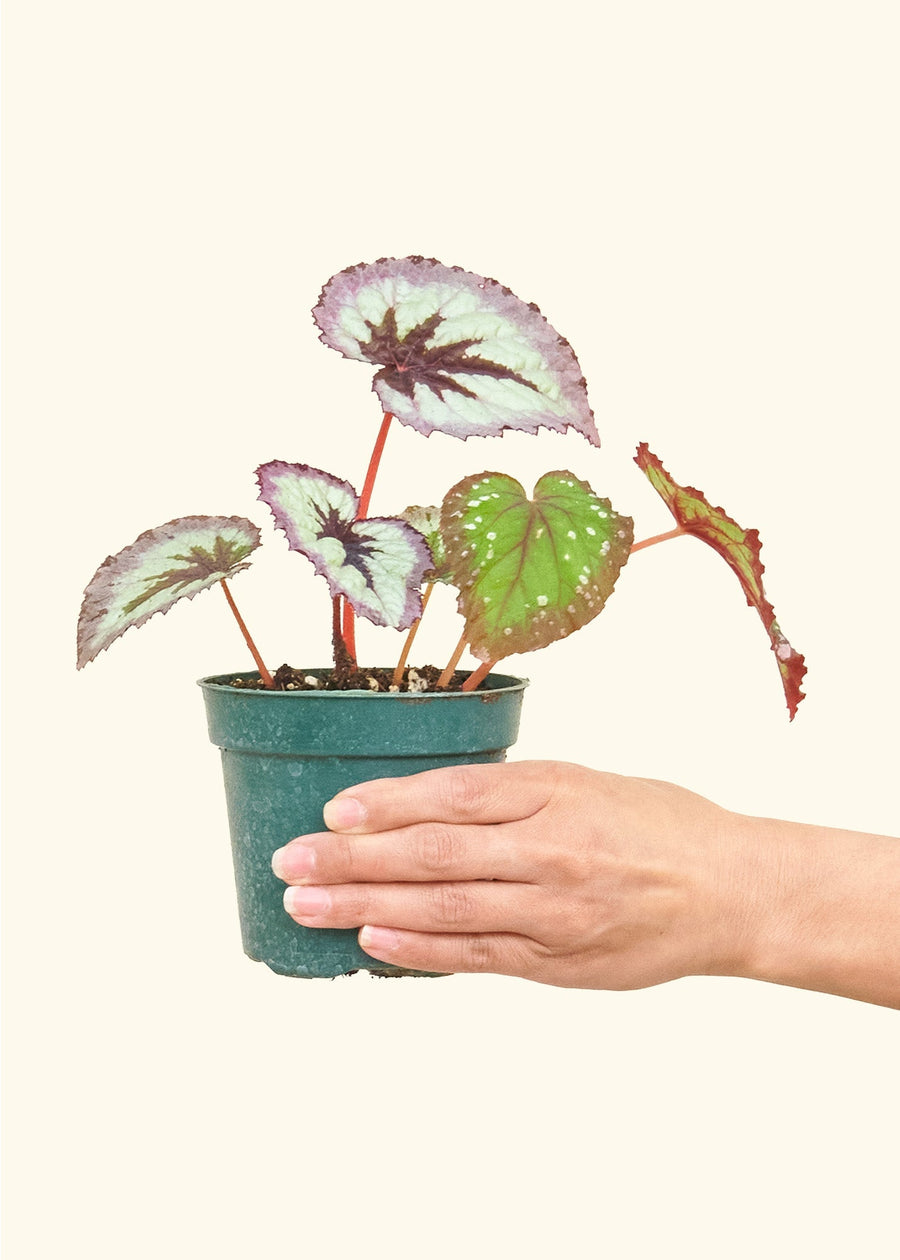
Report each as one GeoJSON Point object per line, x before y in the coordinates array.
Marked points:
{"type": "Point", "coordinates": [410, 638]}
{"type": "Point", "coordinates": [445, 677]}
{"type": "Point", "coordinates": [658, 538]}
{"type": "Point", "coordinates": [478, 675]}
{"type": "Point", "coordinates": [263, 672]}
{"type": "Point", "coordinates": [349, 621]}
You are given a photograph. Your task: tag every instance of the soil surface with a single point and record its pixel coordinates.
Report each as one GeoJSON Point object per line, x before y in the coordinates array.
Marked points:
{"type": "Point", "coordinates": [416, 680]}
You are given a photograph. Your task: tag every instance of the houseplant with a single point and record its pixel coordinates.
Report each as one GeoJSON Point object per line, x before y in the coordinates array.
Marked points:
{"type": "Point", "coordinates": [459, 354]}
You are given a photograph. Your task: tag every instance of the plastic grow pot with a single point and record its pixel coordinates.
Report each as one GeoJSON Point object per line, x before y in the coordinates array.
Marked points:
{"type": "Point", "coordinates": [285, 753]}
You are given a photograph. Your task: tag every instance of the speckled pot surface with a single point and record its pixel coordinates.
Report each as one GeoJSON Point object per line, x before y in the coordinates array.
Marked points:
{"type": "Point", "coordinates": [285, 753]}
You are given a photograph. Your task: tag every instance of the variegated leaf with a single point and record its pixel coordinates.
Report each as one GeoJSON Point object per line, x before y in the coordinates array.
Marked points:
{"type": "Point", "coordinates": [740, 549]}
{"type": "Point", "coordinates": [377, 564]}
{"type": "Point", "coordinates": [530, 571]}
{"type": "Point", "coordinates": [427, 520]}
{"type": "Point", "coordinates": [174, 561]}
{"type": "Point", "coordinates": [458, 353]}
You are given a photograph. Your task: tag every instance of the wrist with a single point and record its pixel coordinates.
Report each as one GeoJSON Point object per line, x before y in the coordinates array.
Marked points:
{"type": "Point", "coordinates": [774, 879]}
{"type": "Point", "coordinates": [746, 876]}
{"type": "Point", "coordinates": [819, 909]}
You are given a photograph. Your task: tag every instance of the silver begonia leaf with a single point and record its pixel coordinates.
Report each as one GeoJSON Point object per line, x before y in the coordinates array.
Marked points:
{"type": "Point", "coordinates": [174, 561]}
{"type": "Point", "coordinates": [458, 353]}
{"type": "Point", "coordinates": [376, 564]}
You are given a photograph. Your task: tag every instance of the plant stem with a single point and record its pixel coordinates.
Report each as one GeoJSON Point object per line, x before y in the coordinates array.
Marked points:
{"type": "Point", "coordinates": [263, 672]}
{"type": "Point", "coordinates": [366, 496]}
{"type": "Point", "coordinates": [404, 655]}
{"type": "Point", "coordinates": [444, 679]}
{"type": "Point", "coordinates": [344, 663]}
{"type": "Point", "coordinates": [478, 675]}
{"type": "Point", "coordinates": [336, 620]}
{"type": "Point", "coordinates": [349, 629]}
{"type": "Point", "coordinates": [658, 538]}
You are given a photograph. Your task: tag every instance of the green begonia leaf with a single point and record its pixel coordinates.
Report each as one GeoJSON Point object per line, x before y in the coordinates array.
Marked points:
{"type": "Point", "coordinates": [530, 571]}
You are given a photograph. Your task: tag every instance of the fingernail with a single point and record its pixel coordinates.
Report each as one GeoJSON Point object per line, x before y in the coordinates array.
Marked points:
{"type": "Point", "coordinates": [343, 812]}
{"type": "Point", "coordinates": [379, 941]}
{"type": "Point", "coordinates": [294, 861]}
{"type": "Point", "coordinates": [306, 903]}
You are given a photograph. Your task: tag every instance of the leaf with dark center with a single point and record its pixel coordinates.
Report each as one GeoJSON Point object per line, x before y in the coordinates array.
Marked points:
{"type": "Point", "coordinates": [530, 571]}
{"type": "Point", "coordinates": [740, 549]}
{"type": "Point", "coordinates": [377, 564]}
{"type": "Point", "coordinates": [174, 561]}
{"type": "Point", "coordinates": [458, 353]}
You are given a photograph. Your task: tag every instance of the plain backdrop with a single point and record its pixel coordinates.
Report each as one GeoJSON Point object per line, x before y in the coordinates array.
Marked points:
{"type": "Point", "coordinates": [703, 198]}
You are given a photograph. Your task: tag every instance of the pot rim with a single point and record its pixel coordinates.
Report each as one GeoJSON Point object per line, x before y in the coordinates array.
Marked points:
{"type": "Point", "coordinates": [502, 683]}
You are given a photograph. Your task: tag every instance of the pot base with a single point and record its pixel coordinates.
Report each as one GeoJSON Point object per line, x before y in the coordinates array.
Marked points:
{"type": "Point", "coordinates": [379, 973]}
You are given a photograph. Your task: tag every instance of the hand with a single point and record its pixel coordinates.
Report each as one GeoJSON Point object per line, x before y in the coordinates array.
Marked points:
{"type": "Point", "coordinates": [543, 870]}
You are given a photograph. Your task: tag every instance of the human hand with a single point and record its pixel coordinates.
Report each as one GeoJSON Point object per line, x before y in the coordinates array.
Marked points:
{"type": "Point", "coordinates": [543, 870]}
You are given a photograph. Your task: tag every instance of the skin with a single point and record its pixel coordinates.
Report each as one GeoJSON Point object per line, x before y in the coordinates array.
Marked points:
{"type": "Point", "coordinates": [569, 876]}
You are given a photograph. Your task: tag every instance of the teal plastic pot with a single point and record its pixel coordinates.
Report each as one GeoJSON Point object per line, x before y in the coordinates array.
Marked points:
{"type": "Point", "coordinates": [285, 753]}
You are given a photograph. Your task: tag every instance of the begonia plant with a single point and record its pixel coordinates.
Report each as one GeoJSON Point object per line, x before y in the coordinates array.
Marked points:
{"type": "Point", "coordinates": [459, 354]}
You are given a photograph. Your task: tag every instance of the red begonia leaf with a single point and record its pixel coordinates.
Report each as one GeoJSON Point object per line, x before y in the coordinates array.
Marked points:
{"type": "Point", "coordinates": [740, 549]}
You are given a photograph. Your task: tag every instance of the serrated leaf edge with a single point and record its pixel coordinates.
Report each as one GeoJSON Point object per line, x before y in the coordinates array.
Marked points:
{"type": "Point", "coordinates": [791, 663]}
{"type": "Point", "coordinates": [87, 613]}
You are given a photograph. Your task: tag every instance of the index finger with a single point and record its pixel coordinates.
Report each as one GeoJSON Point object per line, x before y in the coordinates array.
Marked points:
{"type": "Point", "coordinates": [494, 793]}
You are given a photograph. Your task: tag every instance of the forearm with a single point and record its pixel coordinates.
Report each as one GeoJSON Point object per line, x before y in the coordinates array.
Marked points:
{"type": "Point", "coordinates": [822, 910]}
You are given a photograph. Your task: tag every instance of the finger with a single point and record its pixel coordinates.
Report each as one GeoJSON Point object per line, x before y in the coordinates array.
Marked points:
{"type": "Point", "coordinates": [424, 853]}
{"type": "Point", "coordinates": [457, 794]}
{"type": "Point", "coordinates": [501, 953]}
{"type": "Point", "coordinates": [474, 906]}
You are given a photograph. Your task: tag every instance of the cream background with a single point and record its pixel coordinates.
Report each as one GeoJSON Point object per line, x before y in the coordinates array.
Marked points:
{"type": "Point", "coordinates": [703, 198]}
